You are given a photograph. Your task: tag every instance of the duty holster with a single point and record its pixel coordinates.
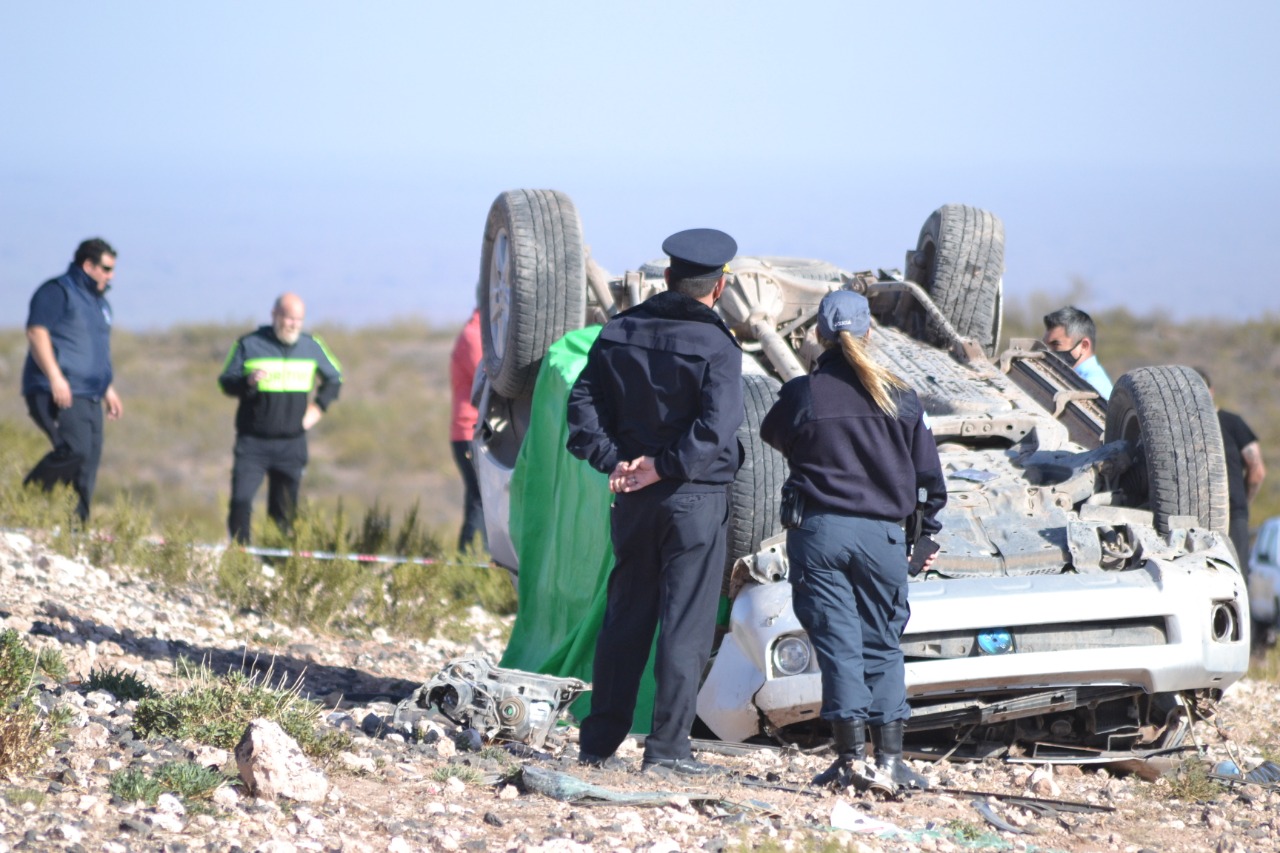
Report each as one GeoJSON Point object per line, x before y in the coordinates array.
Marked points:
{"type": "Point", "coordinates": [791, 512]}
{"type": "Point", "coordinates": [914, 526]}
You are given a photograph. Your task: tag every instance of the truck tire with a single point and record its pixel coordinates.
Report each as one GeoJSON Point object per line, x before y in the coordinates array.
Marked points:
{"type": "Point", "coordinates": [959, 261]}
{"type": "Point", "coordinates": [533, 284]}
{"type": "Point", "coordinates": [755, 493]}
{"type": "Point", "coordinates": [1167, 415]}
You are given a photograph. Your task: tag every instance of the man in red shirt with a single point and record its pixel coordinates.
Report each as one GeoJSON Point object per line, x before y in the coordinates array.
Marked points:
{"type": "Point", "coordinates": [462, 371]}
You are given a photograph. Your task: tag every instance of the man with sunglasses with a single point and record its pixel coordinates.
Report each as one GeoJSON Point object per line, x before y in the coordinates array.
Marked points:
{"type": "Point", "coordinates": [1071, 334]}
{"type": "Point", "coordinates": [67, 377]}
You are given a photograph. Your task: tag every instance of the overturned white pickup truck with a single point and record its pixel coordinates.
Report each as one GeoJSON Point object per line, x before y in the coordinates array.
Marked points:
{"type": "Point", "coordinates": [1086, 603]}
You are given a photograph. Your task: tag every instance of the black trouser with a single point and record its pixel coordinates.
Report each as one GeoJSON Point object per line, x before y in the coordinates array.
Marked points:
{"type": "Point", "coordinates": [76, 433]}
{"type": "Point", "coordinates": [669, 553]}
{"type": "Point", "coordinates": [849, 590]}
{"type": "Point", "coordinates": [1239, 532]}
{"type": "Point", "coordinates": [472, 509]}
{"type": "Point", "coordinates": [281, 461]}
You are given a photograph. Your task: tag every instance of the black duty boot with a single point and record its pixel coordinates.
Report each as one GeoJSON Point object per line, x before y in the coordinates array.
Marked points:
{"type": "Point", "coordinates": [887, 740]}
{"type": "Point", "coordinates": [850, 745]}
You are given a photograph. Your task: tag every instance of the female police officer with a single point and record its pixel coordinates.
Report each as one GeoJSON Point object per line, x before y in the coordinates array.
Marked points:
{"type": "Point", "coordinates": [860, 453]}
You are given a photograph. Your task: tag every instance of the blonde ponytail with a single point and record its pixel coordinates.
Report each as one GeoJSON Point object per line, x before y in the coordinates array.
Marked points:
{"type": "Point", "coordinates": [876, 378]}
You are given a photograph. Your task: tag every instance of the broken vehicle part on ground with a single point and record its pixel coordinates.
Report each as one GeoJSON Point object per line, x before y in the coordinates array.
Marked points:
{"type": "Point", "coordinates": [1086, 602]}
{"type": "Point", "coordinates": [500, 704]}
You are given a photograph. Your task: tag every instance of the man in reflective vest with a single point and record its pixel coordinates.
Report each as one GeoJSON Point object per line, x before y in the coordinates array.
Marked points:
{"type": "Point", "coordinates": [272, 371]}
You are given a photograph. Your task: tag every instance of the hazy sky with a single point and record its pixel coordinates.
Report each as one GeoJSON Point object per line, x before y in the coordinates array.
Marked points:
{"type": "Point", "coordinates": [350, 151]}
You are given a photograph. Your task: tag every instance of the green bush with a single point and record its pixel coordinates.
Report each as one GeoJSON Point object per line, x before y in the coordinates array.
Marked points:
{"type": "Point", "coordinates": [445, 772]}
{"type": "Point", "coordinates": [120, 684]}
{"type": "Point", "coordinates": [25, 733]}
{"type": "Point", "coordinates": [17, 797]}
{"type": "Point", "coordinates": [239, 580]}
{"type": "Point", "coordinates": [175, 560]}
{"type": "Point", "coordinates": [1192, 783]}
{"type": "Point", "coordinates": [122, 538]}
{"type": "Point", "coordinates": [186, 779]}
{"type": "Point", "coordinates": [217, 710]}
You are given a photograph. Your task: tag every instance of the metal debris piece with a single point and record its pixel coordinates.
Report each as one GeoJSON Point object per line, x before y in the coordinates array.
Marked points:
{"type": "Point", "coordinates": [1029, 802]}
{"type": "Point", "coordinates": [752, 781]}
{"type": "Point", "coordinates": [571, 789]}
{"type": "Point", "coordinates": [989, 815]}
{"type": "Point", "coordinates": [500, 704]}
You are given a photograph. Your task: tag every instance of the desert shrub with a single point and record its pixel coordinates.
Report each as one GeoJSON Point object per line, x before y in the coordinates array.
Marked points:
{"type": "Point", "coordinates": [175, 560]}
{"type": "Point", "coordinates": [17, 797]}
{"type": "Point", "coordinates": [120, 684]}
{"type": "Point", "coordinates": [418, 599]}
{"type": "Point", "coordinates": [378, 535]}
{"type": "Point", "coordinates": [216, 710]}
{"type": "Point", "coordinates": [186, 779]}
{"type": "Point", "coordinates": [1192, 783]}
{"type": "Point", "coordinates": [353, 597]}
{"type": "Point", "coordinates": [134, 785]}
{"type": "Point", "coordinates": [319, 593]}
{"type": "Point", "coordinates": [239, 580]}
{"type": "Point", "coordinates": [122, 538]}
{"type": "Point", "coordinates": [25, 732]}
{"type": "Point", "coordinates": [422, 600]}
{"type": "Point", "coordinates": [469, 775]}
{"type": "Point", "coordinates": [965, 831]}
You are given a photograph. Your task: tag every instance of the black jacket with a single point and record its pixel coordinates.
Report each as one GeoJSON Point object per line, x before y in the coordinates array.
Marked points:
{"type": "Point", "coordinates": [664, 379]}
{"type": "Point", "coordinates": [274, 409]}
{"type": "Point", "coordinates": [846, 455]}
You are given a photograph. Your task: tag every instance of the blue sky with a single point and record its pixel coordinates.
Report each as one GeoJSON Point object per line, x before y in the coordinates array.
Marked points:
{"type": "Point", "coordinates": [350, 151]}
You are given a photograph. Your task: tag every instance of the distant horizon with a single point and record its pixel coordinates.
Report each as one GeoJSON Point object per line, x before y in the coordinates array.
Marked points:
{"type": "Point", "coordinates": [359, 251]}
{"type": "Point", "coordinates": [1014, 305]}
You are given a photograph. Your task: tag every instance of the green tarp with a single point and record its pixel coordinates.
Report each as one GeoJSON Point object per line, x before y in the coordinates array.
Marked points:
{"type": "Point", "coordinates": [559, 524]}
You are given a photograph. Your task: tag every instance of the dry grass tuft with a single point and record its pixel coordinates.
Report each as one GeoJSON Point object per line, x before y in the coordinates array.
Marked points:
{"type": "Point", "coordinates": [26, 731]}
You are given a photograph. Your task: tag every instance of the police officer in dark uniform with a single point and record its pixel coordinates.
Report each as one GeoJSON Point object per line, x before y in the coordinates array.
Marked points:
{"type": "Point", "coordinates": [657, 408]}
{"type": "Point", "coordinates": [860, 452]}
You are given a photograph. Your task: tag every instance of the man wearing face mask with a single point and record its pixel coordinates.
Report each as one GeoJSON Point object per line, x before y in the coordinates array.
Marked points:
{"type": "Point", "coordinates": [1071, 334]}
{"type": "Point", "coordinates": [273, 370]}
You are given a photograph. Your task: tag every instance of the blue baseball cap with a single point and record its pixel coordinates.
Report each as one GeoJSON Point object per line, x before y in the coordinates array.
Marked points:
{"type": "Point", "coordinates": [843, 311]}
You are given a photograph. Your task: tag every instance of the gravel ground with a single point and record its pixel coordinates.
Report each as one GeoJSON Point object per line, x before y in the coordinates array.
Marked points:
{"type": "Point", "coordinates": [389, 792]}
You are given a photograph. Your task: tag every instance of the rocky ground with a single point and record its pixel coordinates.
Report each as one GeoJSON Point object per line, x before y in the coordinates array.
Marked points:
{"type": "Point", "coordinates": [389, 792]}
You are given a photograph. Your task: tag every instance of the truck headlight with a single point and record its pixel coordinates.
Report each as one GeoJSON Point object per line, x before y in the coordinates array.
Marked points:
{"type": "Point", "coordinates": [791, 655]}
